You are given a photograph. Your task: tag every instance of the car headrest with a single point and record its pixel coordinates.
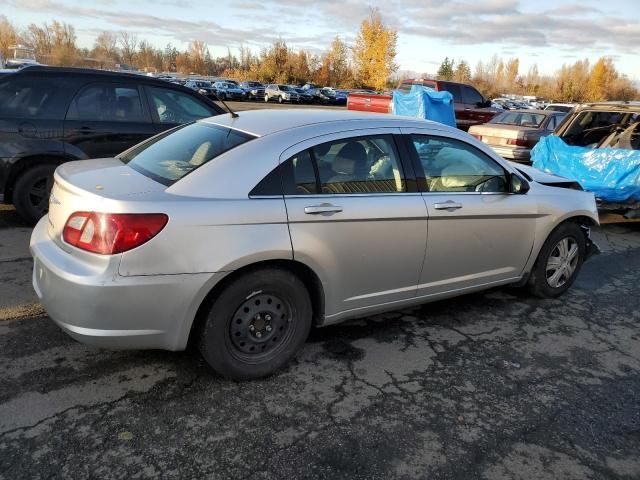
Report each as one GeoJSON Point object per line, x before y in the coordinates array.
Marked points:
{"type": "Point", "coordinates": [352, 157]}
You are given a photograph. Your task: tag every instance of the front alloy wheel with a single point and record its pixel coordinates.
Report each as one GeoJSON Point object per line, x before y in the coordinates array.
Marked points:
{"type": "Point", "coordinates": [558, 262]}
{"type": "Point", "coordinates": [562, 262]}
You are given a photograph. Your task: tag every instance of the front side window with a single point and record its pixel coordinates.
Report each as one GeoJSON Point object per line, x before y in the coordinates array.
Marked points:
{"type": "Point", "coordinates": [354, 165]}
{"type": "Point", "coordinates": [453, 166]}
{"type": "Point", "coordinates": [107, 103]}
{"type": "Point", "coordinates": [174, 107]}
{"type": "Point", "coordinates": [168, 158]}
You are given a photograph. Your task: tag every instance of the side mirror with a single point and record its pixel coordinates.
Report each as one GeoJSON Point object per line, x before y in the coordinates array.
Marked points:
{"type": "Point", "coordinates": [517, 185]}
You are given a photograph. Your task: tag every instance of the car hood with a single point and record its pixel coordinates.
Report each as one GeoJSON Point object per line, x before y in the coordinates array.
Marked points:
{"type": "Point", "coordinates": [539, 176]}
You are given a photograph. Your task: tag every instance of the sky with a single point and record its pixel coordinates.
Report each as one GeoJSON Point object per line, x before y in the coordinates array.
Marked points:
{"type": "Point", "coordinates": [547, 33]}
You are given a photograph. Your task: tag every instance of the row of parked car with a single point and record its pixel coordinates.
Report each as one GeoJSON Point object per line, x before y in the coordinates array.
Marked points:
{"type": "Point", "coordinates": [250, 90]}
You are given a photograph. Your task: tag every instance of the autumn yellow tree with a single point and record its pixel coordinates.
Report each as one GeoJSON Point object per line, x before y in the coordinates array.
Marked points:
{"type": "Point", "coordinates": [511, 71]}
{"type": "Point", "coordinates": [8, 36]}
{"type": "Point", "coordinates": [603, 75]}
{"type": "Point", "coordinates": [374, 52]}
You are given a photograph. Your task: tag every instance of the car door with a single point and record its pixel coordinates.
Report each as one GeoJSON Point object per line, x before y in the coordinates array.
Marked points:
{"type": "Point", "coordinates": [353, 219]}
{"type": "Point", "coordinates": [479, 232]}
{"type": "Point", "coordinates": [105, 119]}
{"type": "Point", "coordinates": [173, 107]}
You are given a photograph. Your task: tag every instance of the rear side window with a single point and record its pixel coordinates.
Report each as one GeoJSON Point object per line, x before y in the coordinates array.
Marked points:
{"type": "Point", "coordinates": [471, 95]}
{"type": "Point", "coordinates": [107, 103]}
{"type": "Point", "coordinates": [37, 97]}
{"type": "Point", "coordinates": [454, 90]}
{"type": "Point", "coordinates": [168, 158]}
{"type": "Point", "coordinates": [350, 166]}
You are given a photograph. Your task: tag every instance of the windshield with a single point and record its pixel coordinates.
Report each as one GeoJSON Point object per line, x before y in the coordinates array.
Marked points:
{"type": "Point", "coordinates": [203, 84]}
{"type": "Point", "coordinates": [168, 158]}
{"type": "Point", "coordinates": [523, 119]}
{"type": "Point", "coordinates": [284, 88]}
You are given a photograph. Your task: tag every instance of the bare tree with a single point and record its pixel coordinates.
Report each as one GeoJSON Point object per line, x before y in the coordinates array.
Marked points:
{"type": "Point", "coordinates": [128, 44]}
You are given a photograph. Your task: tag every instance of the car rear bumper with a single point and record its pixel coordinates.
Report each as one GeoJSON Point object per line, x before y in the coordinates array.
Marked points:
{"type": "Point", "coordinates": [517, 154]}
{"type": "Point", "coordinates": [98, 307]}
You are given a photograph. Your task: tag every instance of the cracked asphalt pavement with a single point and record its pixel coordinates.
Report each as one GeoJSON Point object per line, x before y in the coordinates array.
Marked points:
{"type": "Point", "coordinates": [495, 385]}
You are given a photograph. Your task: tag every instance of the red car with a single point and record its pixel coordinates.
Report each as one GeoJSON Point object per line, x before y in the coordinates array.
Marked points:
{"type": "Point", "coordinates": [470, 106]}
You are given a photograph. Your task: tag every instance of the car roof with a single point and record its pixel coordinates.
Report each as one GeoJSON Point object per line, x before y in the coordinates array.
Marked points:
{"type": "Point", "coordinates": [531, 110]}
{"type": "Point", "coordinates": [267, 121]}
{"type": "Point", "coordinates": [629, 105]}
{"type": "Point", "coordinates": [91, 72]}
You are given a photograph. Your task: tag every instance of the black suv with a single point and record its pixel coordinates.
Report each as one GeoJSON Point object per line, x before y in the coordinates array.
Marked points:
{"type": "Point", "coordinates": [49, 116]}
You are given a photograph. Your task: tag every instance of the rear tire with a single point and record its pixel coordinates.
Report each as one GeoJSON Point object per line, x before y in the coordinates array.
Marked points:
{"type": "Point", "coordinates": [256, 324]}
{"type": "Point", "coordinates": [31, 192]}
{"type": "Point", "coordinates": [558, 262]}
{"type": "Point", "coordinates": [266, 98]}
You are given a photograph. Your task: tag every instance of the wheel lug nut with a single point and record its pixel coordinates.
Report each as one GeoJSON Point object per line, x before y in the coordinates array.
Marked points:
{"type": "Point", "coordinates": [258, 334]}
{"type": "Point", "coordinates": [268, 328]}
{"type": "Point", "coordinates": [267, 318]}
{"type": "Point", "coordinates": [252, 328]}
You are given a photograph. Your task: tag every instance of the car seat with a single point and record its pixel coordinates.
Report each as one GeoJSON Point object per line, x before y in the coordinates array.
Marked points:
{"type": "Point", "coordinates": [349, 167]}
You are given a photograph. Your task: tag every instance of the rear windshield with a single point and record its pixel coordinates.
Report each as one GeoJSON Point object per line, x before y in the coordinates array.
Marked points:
{"type": "Point", "coordinates": [522, 119]}
{"type": "Point", "coordinates": [559, 108]}
{"type": "Point", "coordinates": [168, 158]}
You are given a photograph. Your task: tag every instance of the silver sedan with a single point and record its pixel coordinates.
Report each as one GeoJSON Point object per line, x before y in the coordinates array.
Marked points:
{"type": "Point", "coordinates": [243, 233]}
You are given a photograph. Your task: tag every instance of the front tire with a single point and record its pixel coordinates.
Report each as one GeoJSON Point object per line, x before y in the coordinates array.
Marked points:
{"type": "Point", "coordinates": [266, 98]}
{"type": "Point", "coordinates": [256, 324]}
{"type": "Point", "coordinates": [280, 100]}
{"type": "Point", "coordinates": [559, 261]}
{"type": "Point", "coordinates": [32, 190]}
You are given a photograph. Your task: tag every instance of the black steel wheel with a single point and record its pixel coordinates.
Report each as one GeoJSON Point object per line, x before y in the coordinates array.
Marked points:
{"type": "Point", "coordinates": [32, 190]}
{"type": "Point", "coordinates": [260, 325]}
{"type": "Point", "coordinates": [256, 324]}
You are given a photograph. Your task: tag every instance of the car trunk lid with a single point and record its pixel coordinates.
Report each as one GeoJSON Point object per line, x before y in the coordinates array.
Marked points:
{"type": "Point", "coordinates": [496, 134]}
{"type": "Point", "coordinates": [92, 186]}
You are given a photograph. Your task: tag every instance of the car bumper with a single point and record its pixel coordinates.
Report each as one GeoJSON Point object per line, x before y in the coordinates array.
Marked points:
{"type": "Point", "coordinates": [517, 154]}
{"type": "Point", "coordinates": [98, 307]}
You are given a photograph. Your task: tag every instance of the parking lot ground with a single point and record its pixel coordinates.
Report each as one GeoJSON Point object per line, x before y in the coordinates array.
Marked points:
{"type": "Point", "coordinates": [495, 385]}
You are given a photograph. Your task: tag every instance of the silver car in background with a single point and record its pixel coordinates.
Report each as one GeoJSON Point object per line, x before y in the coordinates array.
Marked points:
{"type": "Point", "coordinates": [513, 133]}
{"type": "Point", "coordinates": [243, 233]}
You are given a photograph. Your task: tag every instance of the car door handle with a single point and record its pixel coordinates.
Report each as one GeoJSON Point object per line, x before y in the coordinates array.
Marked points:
{"type": "Point", "coordinates": [325, 208]}
{"type": "Point", "coordinates": [448, 205]}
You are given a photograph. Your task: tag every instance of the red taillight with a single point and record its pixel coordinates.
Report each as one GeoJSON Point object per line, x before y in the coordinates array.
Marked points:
{"type": "Point", "coordinates": [109, 233]}
{"type": "Point", "coordinates": [521, 142]}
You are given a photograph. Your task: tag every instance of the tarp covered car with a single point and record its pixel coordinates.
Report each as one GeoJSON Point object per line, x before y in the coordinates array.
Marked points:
{"type": "Point", "coordinates": [612, 174]}
{"type": "Point", "coordinates": [598, 145]}
{"type": "Point", "coordinates": [427, 103]}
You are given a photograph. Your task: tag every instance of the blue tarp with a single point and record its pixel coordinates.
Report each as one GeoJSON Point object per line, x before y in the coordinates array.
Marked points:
{"type": "Point", "coordinates": [423, 102]}
{"type": "Point", "coordinates": [612, 174]}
